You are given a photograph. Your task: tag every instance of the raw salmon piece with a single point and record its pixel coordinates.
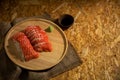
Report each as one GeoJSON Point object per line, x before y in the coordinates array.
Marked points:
{"type": "Point", "coordinates": [38, 38]}
{"type": "Point", "coordinates": [44, 46]}
{"type": "Point", "coordinates": [27, 49]}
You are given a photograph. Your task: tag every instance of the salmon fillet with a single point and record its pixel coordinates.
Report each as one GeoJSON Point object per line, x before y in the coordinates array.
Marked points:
{"type": "Point", "coordinates": [25, 45]}
{"type": "Point", "coordinates": [38, 38]}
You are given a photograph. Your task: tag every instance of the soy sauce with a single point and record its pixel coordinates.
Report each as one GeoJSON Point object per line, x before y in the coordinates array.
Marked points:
{"type": "Point", "coordinates": [65, 21]}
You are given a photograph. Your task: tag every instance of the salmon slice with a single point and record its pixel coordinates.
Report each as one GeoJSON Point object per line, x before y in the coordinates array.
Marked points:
{"type": "Point", "coordinates": [38, 38]}
{"type": "Point", "coordinates": [25, 45]}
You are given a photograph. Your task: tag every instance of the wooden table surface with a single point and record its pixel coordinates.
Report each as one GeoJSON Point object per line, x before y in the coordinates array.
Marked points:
{"type": "Point", "coordinates": [95, 33]}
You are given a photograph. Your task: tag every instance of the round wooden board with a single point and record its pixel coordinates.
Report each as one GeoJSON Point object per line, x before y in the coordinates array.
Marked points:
{"type": "Point", "coordinates": [46, 59]}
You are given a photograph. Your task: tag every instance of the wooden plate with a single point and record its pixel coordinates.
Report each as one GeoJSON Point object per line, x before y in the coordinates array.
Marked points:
{"type": "Point", "coordinates": [46, 59]}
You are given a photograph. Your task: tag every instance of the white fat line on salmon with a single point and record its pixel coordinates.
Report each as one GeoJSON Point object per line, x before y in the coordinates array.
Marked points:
{"type": "Point", "coordinates": [32, 33]}
{"type": "Point", "coordinates": [36, 36]}
{"type": "Point", "coordinates": [39, 44]}
{"type": "Point", "coordinates": [30, 30]}
{"type": "Point", "coordinates": [37, 39]}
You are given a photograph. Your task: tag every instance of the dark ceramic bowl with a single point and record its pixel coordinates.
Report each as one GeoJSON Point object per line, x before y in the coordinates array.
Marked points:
{"type": "Point", "coordinates": [65, 21]}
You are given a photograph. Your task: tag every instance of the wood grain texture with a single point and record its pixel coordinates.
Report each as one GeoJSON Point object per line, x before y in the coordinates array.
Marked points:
{"type": "Point", "coordinates": [46, 59]}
